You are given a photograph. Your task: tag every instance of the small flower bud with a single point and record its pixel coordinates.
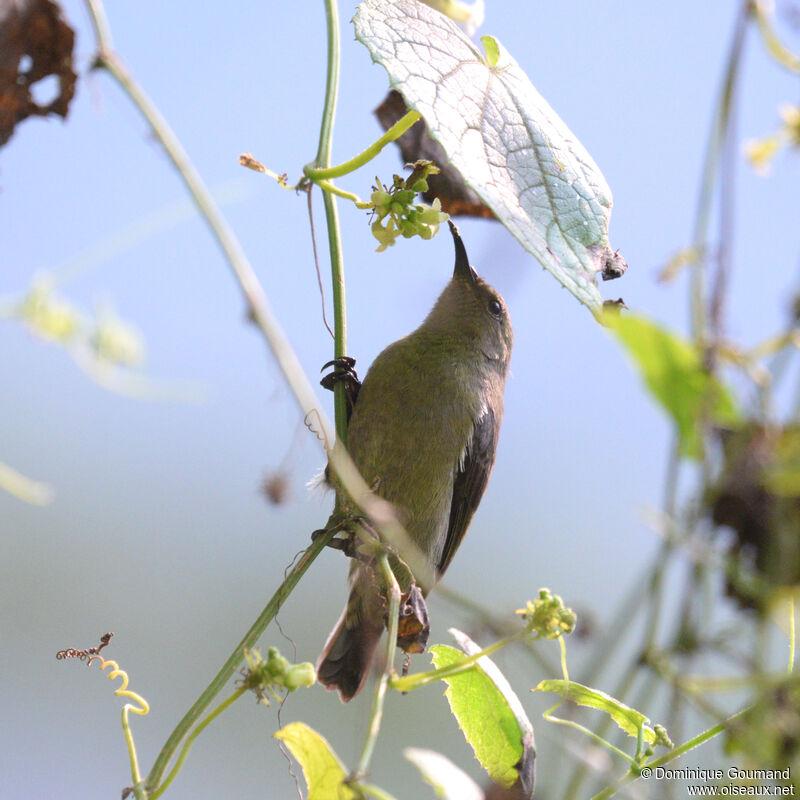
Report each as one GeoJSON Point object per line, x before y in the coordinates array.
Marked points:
{"type": "Point", "coordinates": [300, 675]}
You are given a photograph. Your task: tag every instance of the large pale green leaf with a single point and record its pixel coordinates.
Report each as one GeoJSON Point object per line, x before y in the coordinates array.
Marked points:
{"type": "Point", "coordinates": [449, 781]}
{"type": "Point", "coordinates": [501, 134]}
{"type": "Point", "coordinates": [322, 769]}
{"type": "Point", "coordinates": [672, 369]}
{"type": "Point", "coordinates": [490, 715]}
{"type": "Point", "coordinates": [629, 719]}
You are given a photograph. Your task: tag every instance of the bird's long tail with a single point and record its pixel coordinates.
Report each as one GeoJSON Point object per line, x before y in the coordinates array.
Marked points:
{"type": "Point", "coordinates": [344, 662]}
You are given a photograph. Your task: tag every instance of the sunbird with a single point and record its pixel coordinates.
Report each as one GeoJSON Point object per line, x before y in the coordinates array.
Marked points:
{"type": "Point", "coordinates": [423, 433]}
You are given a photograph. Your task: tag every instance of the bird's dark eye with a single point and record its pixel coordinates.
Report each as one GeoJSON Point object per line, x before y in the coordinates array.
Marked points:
{"type": "Point", "coordinates": [495, 309]}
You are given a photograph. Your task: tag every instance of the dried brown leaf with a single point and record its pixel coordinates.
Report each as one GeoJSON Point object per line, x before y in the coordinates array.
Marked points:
{"type": "Point", "coordinates": [35, 42]}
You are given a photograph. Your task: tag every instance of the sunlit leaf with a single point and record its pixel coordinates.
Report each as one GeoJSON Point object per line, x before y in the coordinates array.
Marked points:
{"type": "Point", "coordinates": [672, 369]}
{"type": "Point", "coordinates": [490, 715]}
{"type": "Point", "coordinates": [629, 719]}
{"type": "Point", "coordinates": [448, 781]}
{"type": "Point", "coordinates": [503, 137]}
{"type": "Point", "coordinates": [322, 769]}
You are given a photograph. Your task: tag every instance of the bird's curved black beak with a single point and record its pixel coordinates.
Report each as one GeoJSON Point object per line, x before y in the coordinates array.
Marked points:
{"type": "Point", "coordinates": [462, 267]}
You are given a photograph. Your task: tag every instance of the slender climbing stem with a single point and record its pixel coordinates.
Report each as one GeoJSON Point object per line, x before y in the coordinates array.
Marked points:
{"type": "Point", "coordinates": [409, 682]}
{"type": "Point", "coordinates": [374, 791]}
{"type": "Point", "coordinates": [327, 186]}
{"type": "Point", "coordinates": [331, 85]}
{"type": "Point", "coordinates": [676, 752]}
{"type": "Point", "coordinates": [379, 512]}
{"type": "Point", "coordinates": [235, 659]}
{"type": "Point", "coordinates": [376, 713]}
{"type": "Point", "coordinates": [548, 715]}
{"type": "Point", "coordinates": [323, 160]}
{"type": "Point", "coordinates": [316, 173]}
{"type": "Point", "coordinates": [187, 745]}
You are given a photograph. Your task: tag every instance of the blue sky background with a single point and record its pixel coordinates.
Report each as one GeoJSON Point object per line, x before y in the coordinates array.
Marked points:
{"type": "Point", "coordinates": [158, 531]}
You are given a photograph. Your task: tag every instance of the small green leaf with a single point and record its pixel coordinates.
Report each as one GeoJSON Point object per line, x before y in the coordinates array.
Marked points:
{"type": "Point", "coordinates": [490, 715]}
{"type": "Point", "coordinates": [449, 781]}
{"type": "Point", "coordinates": [492, 50]}
{"type": "Point", "coordinates": [672, 369]}
{"type": "Point", "coordinates": [322, 769]}
{"type": "Point", "coordinates": [629, 719]}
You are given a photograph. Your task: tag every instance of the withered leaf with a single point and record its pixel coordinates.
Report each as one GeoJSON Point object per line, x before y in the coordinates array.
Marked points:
{"type": "Point", "coordinates": [35, 42]}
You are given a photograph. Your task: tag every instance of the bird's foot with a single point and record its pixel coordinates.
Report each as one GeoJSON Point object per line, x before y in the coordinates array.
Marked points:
{"type": "Point", "coordinates": [343, 372]}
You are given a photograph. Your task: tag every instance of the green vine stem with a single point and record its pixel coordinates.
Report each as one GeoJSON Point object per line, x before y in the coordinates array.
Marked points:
{"type": "Point", "coordinates": [375, 791]}
{"type": "Point", "coordinates": [376, 713]}
{"type": "Point", "coordinates": [318, 173]}
{"type": "Point", "coordinates": [635, 772]}
{"type": "Point", "coordinates": [419, 679]}
{"type": "Point", "coordinates": [548, 715]}
{"type": "Point", "coordinates": [327, 186]}
{"type": "Point", "coordinates": [235, 659]}
{"type": "Point", "coordinates": [187, 745]}
{"type": "Point", "coordinates": [379, 512]}
{"type": "Point", "coordinates": [323, 160]}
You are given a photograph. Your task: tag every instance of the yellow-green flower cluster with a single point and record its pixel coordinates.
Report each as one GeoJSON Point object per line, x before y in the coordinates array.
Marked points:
{"type": "Point", "coordinates": [396, 213]}
{"type": "Point", "coordinates": [547, 616]}
{"type": "Point", "coordinates": [110, 339]}
{"type": "Point", "coordinates": [48, 315]}
{"type": "Point", "coordinates": [274, 673]}
{"type": "Point", "coordinates": [117, 342]}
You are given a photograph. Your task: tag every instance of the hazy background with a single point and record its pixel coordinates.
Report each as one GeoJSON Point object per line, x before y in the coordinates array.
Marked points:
{"type": "Point", "coordinates": [158, 531]}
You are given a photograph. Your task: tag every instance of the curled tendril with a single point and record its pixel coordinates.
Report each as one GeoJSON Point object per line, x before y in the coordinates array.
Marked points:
{"type": "Point", "coordinates": [141, 707]}
{"type": "Point", "coordinates": [85, 655]}
{"type": "Point", "coordinates": [122, 690]}
{"type": "Point", "coordinates": [93, 654]}
{"type": "Point", "coordinates": [313, 422]}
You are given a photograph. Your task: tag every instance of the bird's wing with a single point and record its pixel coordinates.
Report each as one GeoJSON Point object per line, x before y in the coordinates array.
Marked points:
{"type": "Point", "coordinates": [472, 475]}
